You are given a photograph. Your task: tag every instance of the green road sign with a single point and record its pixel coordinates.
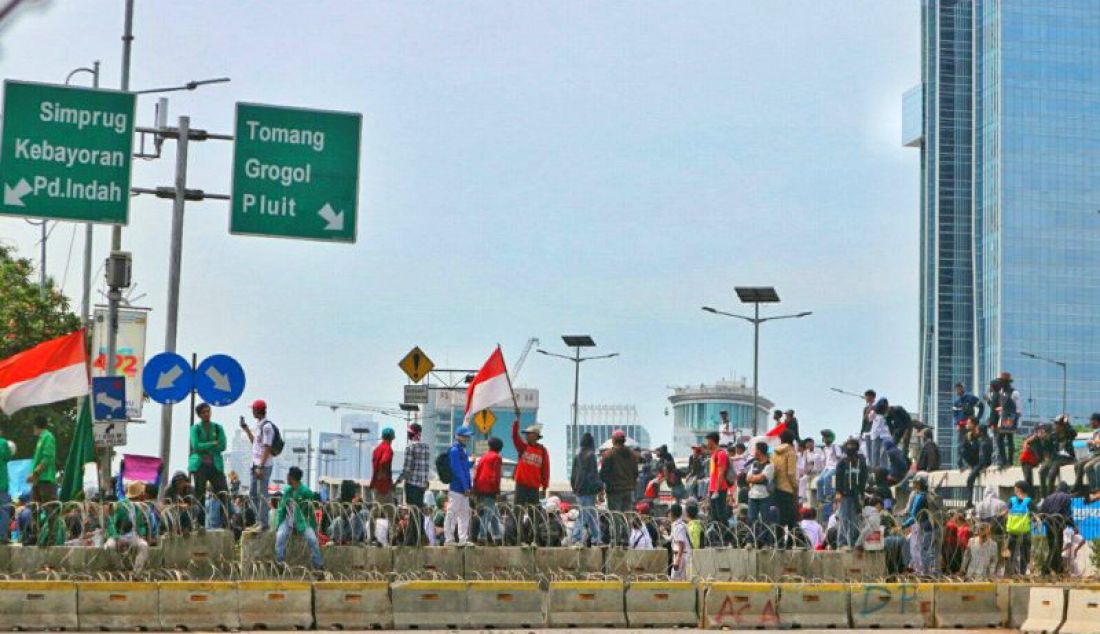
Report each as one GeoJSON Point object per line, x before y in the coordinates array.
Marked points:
{"type": "Point", "coordinates": [295, 173]}
{"type": "Point", "coordinates": [65, 152]}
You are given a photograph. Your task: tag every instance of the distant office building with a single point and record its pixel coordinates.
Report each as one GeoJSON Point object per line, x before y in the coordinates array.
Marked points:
{"type": "Point", "coordinates": [444, 414]}
{"type": "Point", "coordinates": [1005, 119]}
{"type": "Point", "coordinates": [601, 421]}
{"type": "Point", "coordinates": [696, 410]}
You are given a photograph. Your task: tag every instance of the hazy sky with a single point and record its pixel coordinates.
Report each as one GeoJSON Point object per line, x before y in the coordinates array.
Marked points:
{"type": "Point", "coordinates": [533, 169]}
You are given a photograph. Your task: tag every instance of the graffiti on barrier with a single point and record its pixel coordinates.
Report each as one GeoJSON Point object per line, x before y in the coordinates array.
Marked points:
{"type": "Point", "coordinates": [739, 610]}
{"type": "Point", "coordinates": [900, 599]}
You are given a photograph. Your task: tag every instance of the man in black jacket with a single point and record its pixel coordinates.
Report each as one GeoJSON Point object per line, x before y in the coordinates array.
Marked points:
{"type": "Point", "coordinates": [1060, 453]}
{"type": "Point", "coordinates": [851, 482]}
{"type": "Point", "coordinates": [586, 484]}
{"type": "Point", "coordinates": [929, 458]}
{"type": "Point", "coordinates": [1056, 513]}
{"type": "Point", "coordinates": [976, 453]}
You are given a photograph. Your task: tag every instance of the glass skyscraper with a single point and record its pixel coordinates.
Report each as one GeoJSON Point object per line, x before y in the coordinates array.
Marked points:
{"type": "Point", "coordinates": [1007, 118]}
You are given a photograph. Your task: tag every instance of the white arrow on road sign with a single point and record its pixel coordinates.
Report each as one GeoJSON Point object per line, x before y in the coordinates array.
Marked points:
{"type": "Point", "coordinates": [103, 399]}
{"type": "Point", "coordinates": [221, 381]}
{"type": "Point", "coordinates": [335, 220]}
{"type": "Point", "coordinates": [14, 195]}
{"type": "Point", "coordinates": [168, 378]}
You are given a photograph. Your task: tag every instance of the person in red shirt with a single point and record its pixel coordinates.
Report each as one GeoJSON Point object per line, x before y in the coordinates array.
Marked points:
{"type": "Point", "coordinates": [486, 489]}
{"type": "Point", "coordinates": [533, 465]}
{"type": "Point", "coordinates": [718, 487]}
{"type": "Point", "coordinates": [381, 481]}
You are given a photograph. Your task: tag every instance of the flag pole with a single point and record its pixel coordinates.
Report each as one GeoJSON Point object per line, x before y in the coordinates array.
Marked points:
{"type": "Point", "coordinates": [508, 376]}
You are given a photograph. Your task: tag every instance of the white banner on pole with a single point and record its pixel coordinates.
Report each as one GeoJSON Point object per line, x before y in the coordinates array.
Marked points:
{"type": "Point", "coordinates": [129, 353]}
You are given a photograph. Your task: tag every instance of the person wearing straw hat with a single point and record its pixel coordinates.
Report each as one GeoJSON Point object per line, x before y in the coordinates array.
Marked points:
{"type": "Point", "coordinates": [127, 528]}
{"type": "Point", "coordinates": [532, 465]}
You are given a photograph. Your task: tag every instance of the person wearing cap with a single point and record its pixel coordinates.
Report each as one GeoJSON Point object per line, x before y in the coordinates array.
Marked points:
{"type": "Point", "coordinates": [1088, 467]}
{"type": "Point", "coordinates": [532, 465]}
{"type": "Point", "coordinates": [295, 515]}
{"type": "Point", "coordinates": [416, 469]}
{"type": "Point", "coordinates": [127, 526]}
{"type": "Point", "coordinates": [830, 456]}
{"type": "Point", "coordinates": [206, 465]}
{"type": "Point", "coordinates": [1008, 418]}
{"type": "Point", "coordinates": [381, 480]}
{"type": "Point", "coordinates": [618, 472]}
{"type": "Point", "coordinates": [262, 461]}
{"type": "Point", "coordinates": [458, 497]}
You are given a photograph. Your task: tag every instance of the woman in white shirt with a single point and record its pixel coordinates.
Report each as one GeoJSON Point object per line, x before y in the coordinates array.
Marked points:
{"type": "Point", "coordinates": [639, 536]}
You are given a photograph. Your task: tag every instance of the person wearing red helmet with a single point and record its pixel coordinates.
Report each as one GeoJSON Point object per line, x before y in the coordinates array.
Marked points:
{"type": "Point", "coordinates": [262, 460]}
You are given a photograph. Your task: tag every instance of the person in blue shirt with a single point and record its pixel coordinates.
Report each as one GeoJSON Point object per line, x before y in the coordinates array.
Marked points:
{"type": "Point", "coordinates": [966, 406]}
{"type": "Point", "coordinates": [458, 497]}
{"type": "Point", "coordinates": [918, 516]}
{"type": "Point", "coordinates": [1018, 527]}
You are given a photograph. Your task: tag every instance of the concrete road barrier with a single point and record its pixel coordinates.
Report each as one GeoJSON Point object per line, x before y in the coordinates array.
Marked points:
{"type": "Point", "coordinates": [275, 605]}
{"type": "Point", "coordinates": [1082, 612]}
{"type": "Point", "coordinates": [259, 547]}
{"type": "Point", "coordinates": [197, 605]}
{"type": "Point", "coordinates": [815, 605]}
{"type": "Point", "coordinates": [352, 605]}
{"type": "Point", "coordinates": [115, 605]}
{"type": "Point", "coordinates": [846, 567]}
{"type": "Point", "coordinates": [633, 563]}
{"type": "Point", "coordinates": [662, 604]}
{"type": "Point", "coordinates": [736, 605]}
{"type": "Point", "coordinates": [428, 604]}
{"type": "Point", "coordinates": [893, 605]}
{"type": "Point", "coordinates": [39, 605]}
{"type": "Point", "coordinates": [586, 603]}
{"type": "Point", "coordinates": [445, 562]}
{"type": "Point", "coordinates": [724, 564]}
{"type": "Point", "coordinates": [201, 555]}
{"type": "Point", "coordinates": [488, 563]}
{"type": "Point", "coordinates": [775, 565]}
{"type": "Point", "coordinates": [967, 605]}
{"type": "Point", "coordinates": [1046, 610]}
{"type": "Point", "coordinates": [504, 604]}
{"type": "Point", "coordinates": [378, 560]}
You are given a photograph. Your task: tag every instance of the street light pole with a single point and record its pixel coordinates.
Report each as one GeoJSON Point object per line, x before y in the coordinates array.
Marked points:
{"type": "Point", "coordinates": [1065, 374]}
{"type": "Point", "coordinates": [756, 296]}
{"type": "Point", "coordinates": [576, 342]}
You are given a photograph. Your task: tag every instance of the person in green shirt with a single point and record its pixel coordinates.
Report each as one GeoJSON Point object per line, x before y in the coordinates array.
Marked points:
{"type": "Point", "coordinates": [294, 515]}
{"type": "Point", "coordinates": [7, 450]}
{"type": "Point", "coordinates": [207, 467]}
{"type": "Point", "coordinates": [43, 480]}
{"type": "Point", "coordinates": [127, 528]}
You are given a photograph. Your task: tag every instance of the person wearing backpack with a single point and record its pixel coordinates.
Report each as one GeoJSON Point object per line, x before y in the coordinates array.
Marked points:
{"type": "Point", "coordinates": [1018, 527]}
{"type": "Point", "coordinates": [263, 441]}
{"type": "Point", "coordinates": [719, 484]}
{"type": "Point", "coordinates": [918, 517]}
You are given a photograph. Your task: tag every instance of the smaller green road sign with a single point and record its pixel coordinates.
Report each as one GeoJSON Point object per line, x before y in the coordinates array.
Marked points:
{"type": "Point", "coordinates": [65, 152]}
{"type": "Point", "coordinates": [295, 173]}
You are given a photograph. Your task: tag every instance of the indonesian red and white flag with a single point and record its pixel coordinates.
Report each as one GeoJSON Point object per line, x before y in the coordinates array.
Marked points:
{"type": "Point", "coordinates": [490, 386]}
{"type": "Point", "coordinates": [772, 437]}
{"type": "Point", "coordinates": [52, 371]}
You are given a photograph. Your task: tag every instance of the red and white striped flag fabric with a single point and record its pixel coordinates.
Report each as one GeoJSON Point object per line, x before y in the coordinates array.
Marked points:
{"type": "Point", "coordinates": [490, 386]}
{"type": "Point", "coordinates": [52, 371]}
{"type": "Point", "coordinates": [772, 437]}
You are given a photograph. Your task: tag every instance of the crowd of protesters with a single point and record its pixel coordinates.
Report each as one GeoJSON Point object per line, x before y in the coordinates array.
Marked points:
{"type": "Point", "coordinates": [871, 491]}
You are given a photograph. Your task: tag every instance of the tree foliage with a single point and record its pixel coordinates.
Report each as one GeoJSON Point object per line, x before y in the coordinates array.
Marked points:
{"type": "Point", "coordinates": [27, 318]}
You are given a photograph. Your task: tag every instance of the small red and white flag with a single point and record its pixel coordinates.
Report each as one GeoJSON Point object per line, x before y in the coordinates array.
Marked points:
{"type": "Point", "coordinates": [491, 386]}
{"type": "Point", "coordinates": [52, 371]}
{"type": "Point", "coordinates": [772, 437]}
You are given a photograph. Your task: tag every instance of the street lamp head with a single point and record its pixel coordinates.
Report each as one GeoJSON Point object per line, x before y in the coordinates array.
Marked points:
{"type": "Point", "coordinates": [805, 313]}
{"type": "Point", "coordinates": [613, 354]}
{"type": "Point", "coordinates": [709, 309]}
{"type": "Point", "coordinates": [360, 430]}
{"type": "Point", "coordinates": [541, 351]}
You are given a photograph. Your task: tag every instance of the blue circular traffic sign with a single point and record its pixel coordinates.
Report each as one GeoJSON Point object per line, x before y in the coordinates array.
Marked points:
{"type": "Point", "coordinates": [167, 378]}
{"type": "Point", "coordinates": [219, 380]}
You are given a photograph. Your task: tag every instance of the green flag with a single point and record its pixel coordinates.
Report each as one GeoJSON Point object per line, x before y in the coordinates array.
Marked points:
{"type": "Point", "coordinates": [81, 452]}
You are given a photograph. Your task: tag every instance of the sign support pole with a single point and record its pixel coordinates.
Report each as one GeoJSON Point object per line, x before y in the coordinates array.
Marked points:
{"type": "Point", "coordinates": [175, 258]}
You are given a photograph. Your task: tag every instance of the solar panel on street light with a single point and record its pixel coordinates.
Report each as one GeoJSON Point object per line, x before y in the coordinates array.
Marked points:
{"type": "Point", "coordinates": [578, 341]}
{"type": "Point", "coordinates": [757, 294]}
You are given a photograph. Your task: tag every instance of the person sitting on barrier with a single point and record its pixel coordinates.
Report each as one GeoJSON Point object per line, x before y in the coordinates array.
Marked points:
{"type": "Point", "coordinates": [1060, 454]}
{"type": "Point", "coordinates": [896, 464]}
{"type": "Point", "coordinates": [976, 453]}
{"type": "Point", "coordinates": [918, 518]}
{"type": "Point", "coordinates": [1087, 468]}
{"type": "Point", "coordinates": [178, 507]}
{"type": "Point", "coordinates": [815, 534]}
{"type": "Point", "coordinates": [128, 526]}
{"type": "Point", "coordinates": [1018, 527]}
{"type": "Point", "coordinates": [980, 558]}
{"type": "Point", "coordinates": [294, 516]}
{"type": "Point", "coordinates": [879, 486]}
{"type": "Point", "coordinates": [1033, 452]}
{"type": "Point", "coordinates": [1056, 513]}
{"type": "Point", "coordinates": [830, 455]}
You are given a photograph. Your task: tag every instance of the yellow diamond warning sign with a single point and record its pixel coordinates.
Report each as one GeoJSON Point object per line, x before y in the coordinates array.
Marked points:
{"type": "Point", "coordinates": [484, 420]}
{"type": "Point", "coordinates": [416, 365]}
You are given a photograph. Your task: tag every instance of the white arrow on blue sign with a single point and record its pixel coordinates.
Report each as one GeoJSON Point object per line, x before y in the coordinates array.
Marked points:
{"type": "Point", "coordinates": [167, 378]}
{"type": "Point", "coordinates": [219, 380]}
{"type": "Point", "coordinates": [109, 397]}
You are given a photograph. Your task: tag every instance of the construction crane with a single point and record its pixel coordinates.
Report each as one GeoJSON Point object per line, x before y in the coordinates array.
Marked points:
{"type": "Point", "coordinates": [531, 343]}
{"type": "Point", "coordinates": [377, 409]}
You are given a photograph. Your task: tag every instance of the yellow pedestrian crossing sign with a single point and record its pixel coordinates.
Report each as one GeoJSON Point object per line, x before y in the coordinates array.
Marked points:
{"type": "Point", "coordinates": [484, 421]}
{"type": "Point", "coordinates": [416, 364]}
